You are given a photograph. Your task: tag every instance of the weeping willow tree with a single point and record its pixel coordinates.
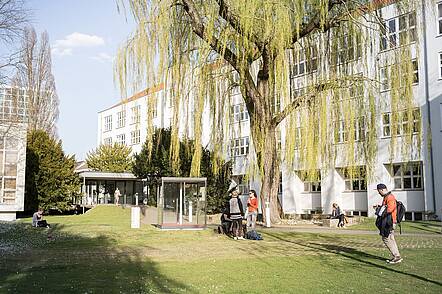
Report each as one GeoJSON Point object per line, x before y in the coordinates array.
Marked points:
{"type": "Point", "coordinates": [304, 68]}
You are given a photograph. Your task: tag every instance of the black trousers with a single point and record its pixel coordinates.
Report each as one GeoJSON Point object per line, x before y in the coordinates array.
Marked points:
{"type": "Point", "coordinates": [237, 227]}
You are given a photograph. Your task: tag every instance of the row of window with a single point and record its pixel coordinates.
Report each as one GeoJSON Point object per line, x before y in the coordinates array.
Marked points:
{"type": "Point", "coordinates": [135, 138]}
{"type": "Point", "coordinates": [405, 124]}
{"type": "Point", "coordinates": [399, 31]}
{"type": "Point", "coordinates": [406, 176]}
{"type": "Point", "coordinates": [135, 118]}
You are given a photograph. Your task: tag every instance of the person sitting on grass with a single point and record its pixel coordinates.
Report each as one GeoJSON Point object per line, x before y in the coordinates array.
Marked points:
{"type": "Point", "coordinates": [38, 221]}
{"type": "Point", "coordinates": [337, 214]}
{"type": "Point", "coordinates": [226, 224]}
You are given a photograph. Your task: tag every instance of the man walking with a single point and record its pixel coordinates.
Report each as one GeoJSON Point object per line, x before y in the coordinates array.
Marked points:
{"type": "Point", "coordinates": [386, 222]}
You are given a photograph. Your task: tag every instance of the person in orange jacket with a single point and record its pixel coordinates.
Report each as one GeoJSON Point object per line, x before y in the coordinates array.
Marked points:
{"type": "Point", "coordinates": [252, 209]}
{"type": "Point", "coordinates": [389, 202]}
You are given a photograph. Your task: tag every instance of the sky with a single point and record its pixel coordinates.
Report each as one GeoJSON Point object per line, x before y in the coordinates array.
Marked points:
{"type": "Point", "coordinates": [84, 37]}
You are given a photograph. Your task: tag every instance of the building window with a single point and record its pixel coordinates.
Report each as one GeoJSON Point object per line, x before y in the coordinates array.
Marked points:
{"type": "Point", "coordinates": [135, 114]}
{"type": "Point", "coordinates": [121, 139]}
{"type": "Point", "coordinates": [349, 48]}
{"type": "Point", "coordinates": [342, 135]}
{"type": "Point", "coordinates": [108, 123]}
{"type": "Point", "coordinates": [243, 184]}
{"type": "Point", "coordinates": [239, 113]}
{"type": "Point", "coordinates": [107, 141]}
{"type": "Point", "coordinates": [135, 137]}
{"type": "Point", "coordinates": [385, 74]}
{"type": "Point", "coordinates": [305, 61]}
{"type": "Point", "coordinates": [280, 184]}
{"type": "Point", "coordinates": [8, 170]}
{"type": "Point", "coordinates": [407, 176]}
{"type": "Point", "coordinates": [354, 178]}
{"type": "Point", "coordinates": [404, 123]}
{"type": "Point", "coordinates": [312, 181]}
{"type": "Point", "coordinates": [121, 119]}
{"type": "Point", "coordinates": [240, 147]}
{"type": "Point", "coordinates": [439, 17]}
{"type": "Point", "coordinates": [440, 63]}
{"type": "Point", "coordinates": [399, 31]}
{"type": "Point", "coordinates": [154, 105]}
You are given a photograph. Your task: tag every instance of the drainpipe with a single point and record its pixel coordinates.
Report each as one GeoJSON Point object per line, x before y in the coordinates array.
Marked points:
{"type": "Point", "coordinates": [427, 100]}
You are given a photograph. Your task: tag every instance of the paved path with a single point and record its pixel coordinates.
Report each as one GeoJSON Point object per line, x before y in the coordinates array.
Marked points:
{"type": "Point", "coordinates": [325, 230]}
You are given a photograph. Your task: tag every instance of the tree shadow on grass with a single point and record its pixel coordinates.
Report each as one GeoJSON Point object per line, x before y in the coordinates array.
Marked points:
{"type": "Point", "coordinates": [351, 253]}
{"type": "Point", "coordinates": [53, 261]}
{"type": "Point", "coordinates": [434, 228]}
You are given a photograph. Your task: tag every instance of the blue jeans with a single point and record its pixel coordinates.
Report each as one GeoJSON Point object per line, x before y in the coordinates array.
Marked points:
{"type": "Point", "coordinates": [251, 220]}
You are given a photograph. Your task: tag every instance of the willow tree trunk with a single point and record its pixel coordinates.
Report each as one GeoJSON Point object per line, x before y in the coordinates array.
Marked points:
{"type": "Point", "coordinates": [270, 174]}
{"type": "Point", "coordinates": [264, 138]}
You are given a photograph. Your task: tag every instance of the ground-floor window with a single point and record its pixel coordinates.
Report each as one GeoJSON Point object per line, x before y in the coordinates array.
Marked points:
{"type": "Point", "coordinates": [354, 178]}
{"type": "Point", "coordinates": [407, 176]}
{"type": "Point", "coordinates": [311, 180]}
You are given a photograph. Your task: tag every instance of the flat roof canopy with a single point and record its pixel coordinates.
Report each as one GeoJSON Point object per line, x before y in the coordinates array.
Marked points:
{"type": "Point", "coordinates": [97, 175]}
{"type": "Point", "coordinates": [182, 180]}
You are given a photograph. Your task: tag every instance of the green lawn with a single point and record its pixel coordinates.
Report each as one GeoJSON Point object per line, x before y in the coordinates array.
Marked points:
{"type": "Point", "coordinates": [99, 253]}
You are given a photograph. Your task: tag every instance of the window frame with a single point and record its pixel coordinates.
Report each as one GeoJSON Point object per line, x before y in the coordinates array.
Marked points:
{"type": "Point", "coordinates": [412, 176]}
{"type": "Point", "coordinates": [360, 179]}
{"type": "Point", "coordinates": [121, 119]}
{"type": "Point", "coordinates": [239, 113]}
{"type": "Point", "coordinates": [107, 141]}
{"type": "Point", "coordinates": [401, 124]}
{"type": "Point", "coordinates": [134, 140]}
{"type": "Point", "coordinates": [135, 114]}
{"type": "Point", "coordinates": [240, 147]}
{"type": "Point", "coordinates": [440, 62]}
{"type": "Point", "coordinates": [121, 139]}
{"type": "Point", "coordinates": [439, 18]}
{"type": "Point", "coordinates": [108, 123]}
{"type": "Point", "coordinates": [387, 34]}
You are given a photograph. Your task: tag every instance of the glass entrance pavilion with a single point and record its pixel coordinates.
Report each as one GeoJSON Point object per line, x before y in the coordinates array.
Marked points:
{"type": "Point", "coordinates": [181, 203]}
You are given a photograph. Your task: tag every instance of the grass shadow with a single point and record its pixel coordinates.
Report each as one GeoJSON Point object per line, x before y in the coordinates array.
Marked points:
{"type": "Point", "coordinates": [353, 254]}
{"type": "Point", "coordinates": [36, 260]}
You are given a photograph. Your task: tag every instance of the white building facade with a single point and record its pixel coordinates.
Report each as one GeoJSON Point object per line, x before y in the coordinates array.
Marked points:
{"type": "Point", "coordinates": [416, 180]}
{"type": "Point", "coordinates": [12, 151]}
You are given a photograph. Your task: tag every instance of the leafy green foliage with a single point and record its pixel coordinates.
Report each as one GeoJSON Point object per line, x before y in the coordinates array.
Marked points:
{"type": "Point", "coordinates": [110, 158]}
{"type": "Point", "coordinates": [50, 178]}
{"type": "Point", "coordinates": [159, 164]}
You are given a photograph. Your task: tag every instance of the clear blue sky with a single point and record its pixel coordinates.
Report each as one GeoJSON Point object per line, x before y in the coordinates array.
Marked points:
{"type": "Point", "coordinates": [84, 36]}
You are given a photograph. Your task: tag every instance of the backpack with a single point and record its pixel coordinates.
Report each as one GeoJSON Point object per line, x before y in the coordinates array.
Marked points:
{"type": "Point", "coordinates": [400, 213]}
{"type": "Point", "coordinates": [253, 235]}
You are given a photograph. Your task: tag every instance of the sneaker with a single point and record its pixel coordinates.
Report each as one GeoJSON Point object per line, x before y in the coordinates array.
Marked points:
{"type": "Point", "coordinates": [389, 260]}
{"type": "Point", "coordinates": [241, 238]}
{"type": "Point", "coordinates": [235, 238]}
{"type": "Point", "coordinates": [395, 260]}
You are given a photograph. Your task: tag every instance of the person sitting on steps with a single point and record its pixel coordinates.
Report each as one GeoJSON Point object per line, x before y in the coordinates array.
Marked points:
{"type": "Point", "coordinates": [337, 214]}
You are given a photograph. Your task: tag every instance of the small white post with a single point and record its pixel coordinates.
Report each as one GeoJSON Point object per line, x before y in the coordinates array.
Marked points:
{"type": "Point", "coordinates": [190, 212]}
{"type": "Point", "coordinates": [135, 217]}
{"type": "Point", "coordinates": [267, 205]}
